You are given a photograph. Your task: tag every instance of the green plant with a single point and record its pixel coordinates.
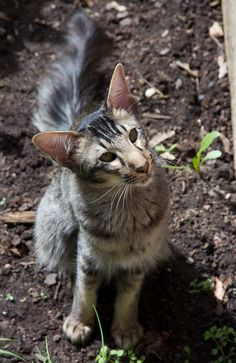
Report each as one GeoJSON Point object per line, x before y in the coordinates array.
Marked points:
{"type": "Point", "coordinates": [41, 356]}
{"type": "Point", "coordinates": [196, 286]}
{"type": "Point", "coordinates": [106, 355]}
{"type": "Point", "coordinates": [10, 354]}
{"type": "Point", "coordinates": [9, 297]}
{"type": "Point", "coordinates": [198, 160]}
{"type": "Point", "coordinates": [187, 353]}
{"type": "Point", "coordinates": [161, 149]}
{"type": "Point", "coordinates": [224, 343]}
{"type": "Point", "coordinates": [2, 201]}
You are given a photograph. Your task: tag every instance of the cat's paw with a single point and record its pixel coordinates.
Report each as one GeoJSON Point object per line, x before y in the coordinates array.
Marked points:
{"type": "Point", "coordinates": [127, 338]}
{"type": "Point", "coordinates": [77, 332]}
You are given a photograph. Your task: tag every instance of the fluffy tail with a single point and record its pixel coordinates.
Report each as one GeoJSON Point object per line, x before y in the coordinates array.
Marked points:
{"type": "Point", "coordinates": [73, 80]}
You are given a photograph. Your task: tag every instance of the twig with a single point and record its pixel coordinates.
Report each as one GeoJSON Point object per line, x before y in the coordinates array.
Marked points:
{"type": "Point", "coordinates": [57, 290]}
{"type": "Point", "coordinates": [185, 67]}
{"type": "Point", "coordinates": [26, 217]}
{"type": "Point", "coordinates": [156, 116]}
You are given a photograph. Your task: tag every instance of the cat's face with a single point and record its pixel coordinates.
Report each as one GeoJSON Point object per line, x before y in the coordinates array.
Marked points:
{"type": "Point", "coordinates": [108, 146]}
{"type": "Point", "coordinates": [114, 149]}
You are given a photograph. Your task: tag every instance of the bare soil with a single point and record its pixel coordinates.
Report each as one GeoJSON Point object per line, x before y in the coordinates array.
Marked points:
{"type": "Point", "coordinates": [148, 41]}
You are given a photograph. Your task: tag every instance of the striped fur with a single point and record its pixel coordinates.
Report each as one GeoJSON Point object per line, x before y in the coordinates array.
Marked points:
{"type": "Point", "coordinates": [97, 220]}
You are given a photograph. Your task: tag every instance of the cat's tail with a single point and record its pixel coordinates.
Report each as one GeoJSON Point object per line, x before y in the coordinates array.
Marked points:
{"type": "Point", "coordinates": [72, 82]}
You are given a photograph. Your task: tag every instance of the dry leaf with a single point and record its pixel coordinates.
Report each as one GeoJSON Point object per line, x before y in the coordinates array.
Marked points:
{"type": "Point", "coordinates": [226, 143]}
{"type": "Point", "coordinates": [216, 30]}
{"type": "Point", "coordinates": [219, 289]}
{"type": "Point", "coordinates": [218, 242]}
{"type": "Point", "coordinates": [223, 70]}
{"type": "Point", "coordinates": [160, 137]}
{"type": "Point", "coordinates": [167, 156]}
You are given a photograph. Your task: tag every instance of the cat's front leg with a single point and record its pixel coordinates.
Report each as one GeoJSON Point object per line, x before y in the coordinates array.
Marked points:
{"type": "Point", "coordinates": [78, 326]}
{"type": "Point", "coordinates": [126, 329]}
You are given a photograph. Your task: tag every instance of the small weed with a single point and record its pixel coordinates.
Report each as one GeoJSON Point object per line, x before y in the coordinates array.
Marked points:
{"type": "Point", "coordinates": [106, 355]}
{"type": "Point", "coordinates": [2, 201]}
{"type": "Point", "coordinates": [42, 296]}
{"type": "Point", "coordinates": [161, 149]}
{"type": "Point", "coordinates": [41, 357]}
{"type": "Point", "coordinates": [9, 297]}
{"type": "Point", "coordinates": [10, 354]}
{"type": "Point", "coordinates": [187, 353]}
{"type": "Point", "coordinates": [196, 286]}
{"type": "Point", "coordinates": [224, 343]}
{"type": "Point", "coordinates": [44, 357]}
{"type": "Point", "coordinates": [198, 160]}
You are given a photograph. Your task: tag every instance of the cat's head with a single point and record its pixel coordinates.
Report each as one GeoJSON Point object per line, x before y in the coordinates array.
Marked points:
{"type": "Point", "coordinates": [109, 146]}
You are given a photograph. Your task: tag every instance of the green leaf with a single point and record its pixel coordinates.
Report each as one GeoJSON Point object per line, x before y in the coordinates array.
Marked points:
{"type": "Point", "coordinates": [214, 351]}
{"type": "Point", "coordinates": [171, 148]}
{"type": "Point", "coordinates": [214, 154]}
{"type": "Point", "coordinates": [6, 353]}
{"type": "Point", "coordinates": [196, 163]}
{"type": "Point", "coordinates": [9, 297]}
{"type": "Point", "coordinates": [160, 148]}
{"type": "Point", "coordinates": [120, 353]}
{"type": "Point", "coordinates": [6, 340]}
{"type": "Point", "coordinates": [207, 140]}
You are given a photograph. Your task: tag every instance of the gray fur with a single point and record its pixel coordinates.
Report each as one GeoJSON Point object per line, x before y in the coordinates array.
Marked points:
{"type": "Point", "coordinates": [98, 221]}
{"type": "Point", "coordinates": [72, 81]}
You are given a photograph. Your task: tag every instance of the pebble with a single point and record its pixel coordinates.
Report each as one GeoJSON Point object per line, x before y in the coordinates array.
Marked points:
{"type": "Point", "coordinates": [190, 260]}
{"type": "Point", "coordinates": [56, 337]}
{"type": "Point", "coordinates": [122, 15]}
{"type": "Point", "coordinates": [51, 279]}
{"type": "Point", "coordinates": [178, 83]}
{"type": "Point", "coordinates": [164, 51]}
{"type": "Point", "coordinates": [126, 22]}
{"type": "Point", "coordinates": [4, 325]}
{"type": "Point", "coordinates": [113, 5]}
{"type": "Point", "coordinates": [150, 92]}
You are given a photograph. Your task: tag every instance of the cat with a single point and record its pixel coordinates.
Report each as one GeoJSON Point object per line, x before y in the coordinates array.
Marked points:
{"type": "Point", "coordinates": [105, 214]}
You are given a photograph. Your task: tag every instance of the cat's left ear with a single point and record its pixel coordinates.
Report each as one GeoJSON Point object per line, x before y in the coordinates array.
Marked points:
{"type": "Point", "coordinates": [119, 96]}
{"type": "Point", "coordinates": [58, 146]}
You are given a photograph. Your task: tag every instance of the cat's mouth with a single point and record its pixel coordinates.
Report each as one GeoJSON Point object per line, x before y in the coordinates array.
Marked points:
{"type": "Point", "coordinates": [139, 179]}
{"type": "Point", "coordinates": [142, 178]}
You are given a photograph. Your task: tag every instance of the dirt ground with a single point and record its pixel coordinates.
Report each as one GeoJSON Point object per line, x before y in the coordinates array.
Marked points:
{"type": "Point", "coordinates": [149, 39]}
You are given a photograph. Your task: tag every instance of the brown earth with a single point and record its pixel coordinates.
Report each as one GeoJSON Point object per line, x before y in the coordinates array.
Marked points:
{"type": "Point", "coordinates": [148, 41]}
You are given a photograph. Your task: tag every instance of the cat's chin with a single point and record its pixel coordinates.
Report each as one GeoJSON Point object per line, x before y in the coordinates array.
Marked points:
{"type": "Point", "coordinates": [145, 181]}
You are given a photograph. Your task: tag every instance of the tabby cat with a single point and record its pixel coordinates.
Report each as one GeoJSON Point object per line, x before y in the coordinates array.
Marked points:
{"type": "Point", "coordinates": [105, 214]}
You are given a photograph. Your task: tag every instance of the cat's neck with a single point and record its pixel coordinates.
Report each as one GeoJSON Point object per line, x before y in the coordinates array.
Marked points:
{"type": "Point", "coordinates": [118, 210]}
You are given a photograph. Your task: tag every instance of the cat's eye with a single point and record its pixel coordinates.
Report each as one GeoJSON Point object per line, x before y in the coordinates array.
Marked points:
{"type": "Point", "coordinates": [107, 157]}
{"type": "Point", "coordinates": [133, 135]}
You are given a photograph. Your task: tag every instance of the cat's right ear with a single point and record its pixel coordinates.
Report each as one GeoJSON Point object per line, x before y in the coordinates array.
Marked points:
{"type": "Point", "coordinates": [57, 145]}
{"type": "Point", "coordinates": [119, 96]}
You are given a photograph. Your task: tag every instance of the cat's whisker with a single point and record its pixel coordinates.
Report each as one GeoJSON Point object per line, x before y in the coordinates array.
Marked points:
{"type": "Point", "coordinates": [162, 162]}
{"type": "Point", "coordinates": [112, 202]}
{"type": "Point", "coordinates": [120, 198]}
{"type": "Point", "coordinates": [102, 196]}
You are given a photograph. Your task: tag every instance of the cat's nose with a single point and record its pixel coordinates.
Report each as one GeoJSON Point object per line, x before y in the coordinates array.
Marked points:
{"type": "Point", "coordinates": [143, 169]}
